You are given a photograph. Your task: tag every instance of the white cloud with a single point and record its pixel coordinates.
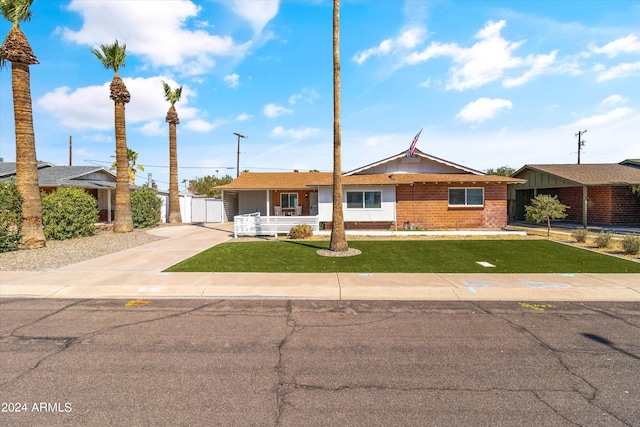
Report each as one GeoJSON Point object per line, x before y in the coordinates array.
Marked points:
{"type": "Point", "coordinates": [155, 31]}
{"type": "Point", "coordinates": [483, 109]}
{"type": "Point", "coordinates": [618, 71]}
{"type": "Point", "coordinates": [154, 128]}
{"type": "Point", "coordinates": [258, 13]}
{"type": "Point", "coordinates": [202, 126]}
{"type": "Point", "coordinates": [233, 80]}
{"type": "Point", "coordinates": [406, 40]}
{"type": "Point", "coordinates": [486, 61]}
{"type": "Point", "coordinates": [603, 119]}
{"type": "Point", "coordinates": [273, 110]}
{"type": "Point", "coordinates": [613, 100]}
{"type": "Point", "coordinates": [629, 44]}
{"type": "Point", "coordinates": [539, 64]}
{"type": "Point", "coordinates": [299, 133]}
{"type": "Point", "coordinates": [308, 95]}
{"type": "Point", "coordinates": [84, 108]}
{"type": "Point", "coordinates": [90, 107]}
{"type": "Point", "coordinates": [243, 116]}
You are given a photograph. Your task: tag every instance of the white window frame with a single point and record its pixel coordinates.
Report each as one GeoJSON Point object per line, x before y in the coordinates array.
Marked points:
{"type": "Point", "coordinates": [363, 200]}
{"type": "Point", "coordinates": [466, 197]}
{"type": "Point", "coordinates": [289, 200]}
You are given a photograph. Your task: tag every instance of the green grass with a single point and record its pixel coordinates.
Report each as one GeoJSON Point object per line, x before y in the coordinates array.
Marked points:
{"type": "Point", "coordinates": [407, 256]}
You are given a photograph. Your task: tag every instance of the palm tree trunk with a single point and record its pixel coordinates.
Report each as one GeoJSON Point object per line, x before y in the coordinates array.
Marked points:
{"type": "Point", "coordinates": [26, 161]}
{"type": "Point", "coordinates": [123, 222]}
{"type": "Point", "coordinates": [174, 197]}
{"type": "Point", "coordinates": [338, 241]}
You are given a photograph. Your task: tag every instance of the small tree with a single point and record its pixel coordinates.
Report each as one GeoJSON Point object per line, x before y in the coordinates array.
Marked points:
{"type": "Point", "coordinates": [10, 216]}
{"type": "Point", "coordinates": [545, 207]}
{"type": "Point", "coordinates": [501, 171]}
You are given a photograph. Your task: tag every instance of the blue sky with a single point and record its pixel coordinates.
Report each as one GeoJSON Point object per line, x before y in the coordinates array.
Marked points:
{"type": "Point", "coordinates": [492, 83]}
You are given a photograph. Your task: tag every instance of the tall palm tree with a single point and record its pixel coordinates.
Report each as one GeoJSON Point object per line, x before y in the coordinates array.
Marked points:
{"type": "Point", "coordinates": [16, 49]}
{"type": "Point", "coordinates": [173, 96]}
{"type": "Point", "coordinates": [112, 57]}
{"type": "Point", "coordinates": [132, 159]}
{"type": "Point", "coordinates": [338, 242]}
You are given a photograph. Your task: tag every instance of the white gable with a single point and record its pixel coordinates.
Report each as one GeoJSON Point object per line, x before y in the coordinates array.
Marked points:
{"type": "Point", "coordinates": [418, 163]}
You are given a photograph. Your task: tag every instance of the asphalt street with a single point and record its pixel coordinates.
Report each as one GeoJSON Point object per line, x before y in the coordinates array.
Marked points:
{"type": "Point", "coordinates": [204, 362]}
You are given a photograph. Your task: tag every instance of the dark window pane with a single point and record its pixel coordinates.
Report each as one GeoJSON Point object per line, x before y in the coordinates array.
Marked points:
{"type": "Point", "coordinates": [354, 200]}
{"type": "Point", "coordinates": [474, 197]}
{"type": "Point", "coordinates": [456, 196]}
{"type": "Point", "coordinates": [372, 199]}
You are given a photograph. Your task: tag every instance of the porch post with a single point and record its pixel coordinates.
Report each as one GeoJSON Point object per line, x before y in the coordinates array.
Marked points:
{"type": "Point", "coordinates": [108, 205]}
{"type": "Point", "coordinates": [584, 206]}
{"type": "Point", "coordinates": [268, 202]}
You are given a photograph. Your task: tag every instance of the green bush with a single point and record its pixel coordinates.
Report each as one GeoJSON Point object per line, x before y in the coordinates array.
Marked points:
{"type": "Point", "coordinates": [10, 216]}
{"type": "Point", "coordinates": [580, 235]}
{"type": "Point", "coordinates": [68, 213]}
{"type": "Point", "coordinates": [145, 207]}
{"type": "Point", "coordinates": [603, 240]}
{"type": "Point", "coordinates": [631, 244]}
{"type": "Point", "coordinates": [300, 231]}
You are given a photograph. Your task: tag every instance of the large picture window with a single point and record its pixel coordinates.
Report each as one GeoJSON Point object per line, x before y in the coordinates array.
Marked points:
{"type": "Point", "coordinates": [364, 199]}
{"type": "Point", "coordinates": [288, 200]}
{"type": "Point", "coordinates": [466, 197]}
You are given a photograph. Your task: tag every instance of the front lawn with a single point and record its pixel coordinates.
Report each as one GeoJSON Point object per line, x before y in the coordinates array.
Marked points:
{"type": "Point", "coordinates": [406, 256]}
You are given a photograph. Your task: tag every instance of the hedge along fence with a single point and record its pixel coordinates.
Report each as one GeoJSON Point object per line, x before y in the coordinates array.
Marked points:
{"type": "Point", "coordinates": [145, 207]}
{"type": "Point", "coordinates": [10, 216]}
{"type": "Point", "coordinates": [68, 213]}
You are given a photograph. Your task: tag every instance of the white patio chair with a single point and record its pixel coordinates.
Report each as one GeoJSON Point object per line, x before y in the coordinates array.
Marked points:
{"type": "Point", "coordinates": [278, 210]}
{"type": "Point", "coordinates": [298, 211]}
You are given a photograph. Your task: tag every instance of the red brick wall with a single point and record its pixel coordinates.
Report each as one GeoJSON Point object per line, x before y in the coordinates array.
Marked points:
{"type": "Point", "coordinates": [426, 206]}
{"type": "Point", "coordinates": [303, 200]}
{"type": "Point", "coordinates": [605, 204]}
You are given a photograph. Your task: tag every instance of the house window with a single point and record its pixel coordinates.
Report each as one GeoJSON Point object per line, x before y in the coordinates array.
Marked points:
{"type": "Point", "coordinates": [288, 200]}
{"type": "Point", "coordinates": [466, 196]}
{"type": "Point", "coordinates": [364, 199]}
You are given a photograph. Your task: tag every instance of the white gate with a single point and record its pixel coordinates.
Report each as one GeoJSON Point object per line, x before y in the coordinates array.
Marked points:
{"type": "Point", "coordinates": [206, 210]}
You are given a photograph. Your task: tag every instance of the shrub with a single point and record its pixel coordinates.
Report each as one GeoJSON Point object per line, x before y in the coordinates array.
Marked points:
{"type": "Point", "coordinates": [68, 213]}
{"type": "Point", "coordinates": [603, 240]}
{"type": "Point", "coordinates": [580, 235]}
{"type": "Point", "coordinates": [631, 244]}
{"type": "Point", "coordinates": [301, 231]}
{"type": "Point", "coordinates": [145, 207]}
{"type": "Point", "coordinates": [10, 216]}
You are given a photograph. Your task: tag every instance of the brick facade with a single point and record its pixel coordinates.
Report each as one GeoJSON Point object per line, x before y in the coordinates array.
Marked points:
{"type": "Point", "coordinates": [426, 206]}
{"type": "Point", "coordinates": [605, 204]}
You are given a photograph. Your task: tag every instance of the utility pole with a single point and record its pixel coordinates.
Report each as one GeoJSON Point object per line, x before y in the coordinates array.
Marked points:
{"type": "Point", "coordinates": [70, 150]}
{"type": "Point", "coordinates": [238, 158]}
{"type": "Point", "coordinates": [580, 142]}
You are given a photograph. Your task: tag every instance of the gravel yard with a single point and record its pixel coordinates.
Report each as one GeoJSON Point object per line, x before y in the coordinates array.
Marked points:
{"type": "Point", "coordinates": [59, 253]}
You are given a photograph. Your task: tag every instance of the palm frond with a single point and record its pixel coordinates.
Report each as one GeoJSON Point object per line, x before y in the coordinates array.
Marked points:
{"type": "Point", "coordinates": [16, 11]}
{"type": "Point", "coordinates": [170, 95]}
{"type": "Point", "coordinates": [112, 56]}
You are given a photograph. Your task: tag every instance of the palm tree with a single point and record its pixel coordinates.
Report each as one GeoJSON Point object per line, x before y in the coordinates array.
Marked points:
{"type": "Point", "coordinates": [173, 96]}
{"type": "Point", "coordinates": [338, 242]}
{"type": "Point", "coordinates": [16, 49]}
{"type": "Point", "coordinates": [113, 57]}
{"type": "Point", "coordinates": [132, 159]}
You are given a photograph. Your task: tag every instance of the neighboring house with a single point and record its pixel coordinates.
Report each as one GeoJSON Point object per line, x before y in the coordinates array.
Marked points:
{"type": "Point", "coordinates": [597, 194]}
{"type": "Point", "coordinates": [420, 191]}
{"type": "Point", "coordinates": [95, 180]}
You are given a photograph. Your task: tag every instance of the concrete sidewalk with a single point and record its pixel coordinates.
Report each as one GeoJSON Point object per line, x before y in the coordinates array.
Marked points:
{"type": "Point", "coordinates": [136, 273]}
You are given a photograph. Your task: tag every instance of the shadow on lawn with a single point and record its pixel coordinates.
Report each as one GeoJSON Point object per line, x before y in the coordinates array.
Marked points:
{"type": "Point", "coordinates": [307, 244]}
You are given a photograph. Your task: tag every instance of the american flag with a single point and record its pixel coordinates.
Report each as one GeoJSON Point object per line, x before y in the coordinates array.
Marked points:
{"type": "Point", "coordinates": [413, 144]}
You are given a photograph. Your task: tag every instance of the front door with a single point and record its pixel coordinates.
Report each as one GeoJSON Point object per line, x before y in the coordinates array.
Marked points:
{"type": "Point", "coordinates": [313, 204]}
